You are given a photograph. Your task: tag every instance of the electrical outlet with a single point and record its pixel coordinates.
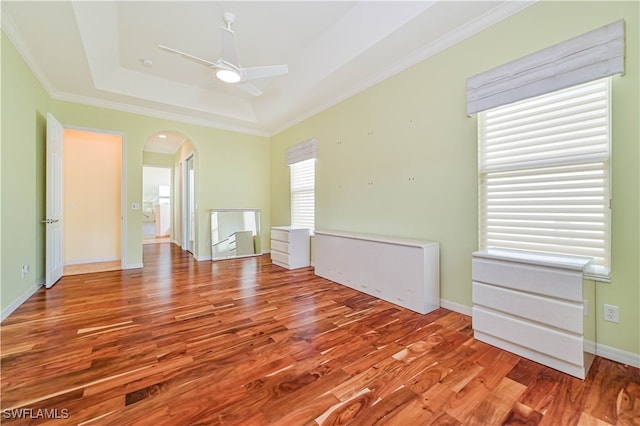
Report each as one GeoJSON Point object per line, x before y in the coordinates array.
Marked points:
{"type": "Point", "coordinates": [25, 270]}
{"type": "Point", "coordinates": [611, 313]}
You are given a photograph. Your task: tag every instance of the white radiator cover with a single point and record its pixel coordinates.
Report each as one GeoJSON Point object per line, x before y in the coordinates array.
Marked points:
{"type": "Point", "coordinates": [533, 305]}
{"type": "Point", "coordinates": [401, 271]}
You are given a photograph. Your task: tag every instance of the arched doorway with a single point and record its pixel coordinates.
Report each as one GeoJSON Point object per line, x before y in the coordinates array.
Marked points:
{"type": "Point", "coordinates": [174, 151]}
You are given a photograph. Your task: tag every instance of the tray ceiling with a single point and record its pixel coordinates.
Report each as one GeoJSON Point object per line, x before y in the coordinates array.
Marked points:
{"type": "Point", "coordinates": [95, 52]}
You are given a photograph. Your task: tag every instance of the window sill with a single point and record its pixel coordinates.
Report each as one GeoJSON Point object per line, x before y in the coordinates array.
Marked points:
{"type": "Point", "coordinates": [590, 272]}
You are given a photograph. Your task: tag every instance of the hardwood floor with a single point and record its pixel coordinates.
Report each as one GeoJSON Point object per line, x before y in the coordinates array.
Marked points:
{"type": "Point", "coordinates": [88, 268]}
{"type": "Point", "coordinates": [243, 342]}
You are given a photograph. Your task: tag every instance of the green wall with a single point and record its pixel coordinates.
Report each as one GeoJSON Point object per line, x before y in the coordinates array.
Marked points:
{"type": "Point", "coordinates": [157, 159]}
{"type": "Point", "coordinates": [400, 158]}
{"type": "Point", "coordinates": [232, 171]}
{"type": "Point", "coordinates": [24, 108]}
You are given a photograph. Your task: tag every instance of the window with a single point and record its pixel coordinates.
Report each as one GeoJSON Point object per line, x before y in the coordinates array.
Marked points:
{"type": "Point", "coordinates": [544, 174]}
{"type": "Point", "coordinates": [301, 158]}
{"type": "Point", "coordinates": [303, 175]}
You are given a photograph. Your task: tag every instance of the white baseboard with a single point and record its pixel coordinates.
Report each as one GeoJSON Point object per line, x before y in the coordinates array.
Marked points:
{"type": "Point", "coordinates": [133, 266]}
{"type": "Point", "coordinates": [618, 355]}
{"type": "Point", "coordinates": [604, 351]}
{"type": "Point", "coordinates": [455, 307]}
{"type": "Point", "coordinates": [20, 300]}
{"type": "Point", "coordinates": [201, 258]}
{"type": "Point", "coordinates": [83, 261]}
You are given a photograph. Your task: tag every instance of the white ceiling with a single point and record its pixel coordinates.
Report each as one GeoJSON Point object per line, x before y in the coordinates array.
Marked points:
{"type": "Point", "coordinates": [91, 52]}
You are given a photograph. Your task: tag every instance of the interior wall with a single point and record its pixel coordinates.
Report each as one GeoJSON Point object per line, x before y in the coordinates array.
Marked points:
{"type": "Point", "coordinates": [225, 153]}
{"type": "Point", "coordinates": [400, 158]}
{"type": "Point", "coordinates": [24, 106]}
{"type": "Point", "coordinates": [92, 197]}
{"type": "Point", "coordinates": [157, 159]}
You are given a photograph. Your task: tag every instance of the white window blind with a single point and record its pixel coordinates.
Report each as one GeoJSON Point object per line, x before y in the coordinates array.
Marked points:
{"type": "Point", "coordinates": [587, 57]}
{"type": "Point", "coordinates": [544, 174]}
{"type": "Point", "coordinates": [303, 193]}
{"type": "Point", "coordinates": [302, 151]}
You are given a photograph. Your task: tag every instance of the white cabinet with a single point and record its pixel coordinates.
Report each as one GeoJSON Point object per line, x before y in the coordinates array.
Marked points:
{"type": "Point", "coordinates": [533, 305]}
{"type": "Point", "coordinates": [290, 247]}
{"type": "Point", "coordinates": [401, 271]}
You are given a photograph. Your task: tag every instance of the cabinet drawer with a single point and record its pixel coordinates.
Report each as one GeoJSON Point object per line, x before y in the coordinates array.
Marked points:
{"type": "Point", "coordinates": [557, 313]}
{"type": "Point", "coordinates": [546, 281]}
{"type": "Point", "coordinates": [278, 257]}
{"type": "Point", "coordinates": [561, 345]}
{"type": "Point", "coordinates": [280, 235]}
{"type": "Point", "coordinates": [280, 246]}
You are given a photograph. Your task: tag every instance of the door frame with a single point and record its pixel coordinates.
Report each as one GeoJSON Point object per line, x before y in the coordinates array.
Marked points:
{"type": "Point", "coordinates": [123, 187]}
{"type": "Point", "coordinates": [187, 230]}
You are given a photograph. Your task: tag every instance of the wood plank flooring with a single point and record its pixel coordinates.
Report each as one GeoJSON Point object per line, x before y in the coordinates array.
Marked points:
{"type": "Point", "coordinates": [244, 342]}
{"type": "Point", "coordinates": [88, 268]}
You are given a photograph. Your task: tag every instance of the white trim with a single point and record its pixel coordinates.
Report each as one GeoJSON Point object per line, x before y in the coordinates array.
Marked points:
{"type": "Point", "coordinates": [11, 30]}
{"type": "Point", "coordinates": [133, 266]}
{"type": "Point", "coordinates": [20, 300]}
{"type": "Point", "coordinates": [455, 307]}
{"type": "Point", "coordinates": [95, 260]}
{"type": "Point", "coordinates": [618, 355]}
{"type": "Point", "coordinates": [482, 22]}
{"type": "Point", "coordinates": [14, 35]}
{"type": "Point", "coordinates": [589, 346]}
{"type": "Point", "coordinates": [479, 24]}
{"type": "Point", "coordinates": [148, 112]}
{"type": "Point", "coordinates": [185, 200]}
{"type": "Point", "coordinates": [203, 258]}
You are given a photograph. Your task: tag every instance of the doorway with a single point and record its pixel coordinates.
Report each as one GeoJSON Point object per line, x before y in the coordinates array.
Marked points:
{"type": "Point", "coordinates": [174, 150]}
{"type": "Point", "coordinates": [156, 204]}
{"type": "Point", "coordinates": [92, 201]}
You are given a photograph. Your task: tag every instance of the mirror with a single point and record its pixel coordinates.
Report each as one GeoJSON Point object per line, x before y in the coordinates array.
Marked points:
{"type": "Point", "coordinates": [235, 233]}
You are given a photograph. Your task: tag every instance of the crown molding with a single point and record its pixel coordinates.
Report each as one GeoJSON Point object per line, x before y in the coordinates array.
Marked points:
{"type": "Point", "coordinates": [14, 35]}
{"type": "Point", "coordinates": [150, 112]}
{"type": "Point", "coordinates": [12, 32]}
{"type": "Point", "coordinates": [482, 22]}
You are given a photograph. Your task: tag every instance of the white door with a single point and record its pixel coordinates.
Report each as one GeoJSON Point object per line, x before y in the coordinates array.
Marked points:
{"type": "Point", "coordinates": [53, 221]}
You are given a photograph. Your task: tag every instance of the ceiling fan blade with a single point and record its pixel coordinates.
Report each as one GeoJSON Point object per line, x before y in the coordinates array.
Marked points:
{"type": "Point", "coordinates": [249, 88]}
{"type": "Point", "coordinates": [190, 57]}
{"type": "Point", "coordinates": [253, 73]}
{"type": "Point", "coordinates": [229, 52]}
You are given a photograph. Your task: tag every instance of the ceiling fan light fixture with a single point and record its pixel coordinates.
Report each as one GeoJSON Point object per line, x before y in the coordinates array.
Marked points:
{"type": "Point", "coordinates": [228, 76]}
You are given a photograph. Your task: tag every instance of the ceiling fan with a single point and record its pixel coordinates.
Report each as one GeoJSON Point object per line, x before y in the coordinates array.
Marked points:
{"type": "Point", "coordinates": [227, 67]}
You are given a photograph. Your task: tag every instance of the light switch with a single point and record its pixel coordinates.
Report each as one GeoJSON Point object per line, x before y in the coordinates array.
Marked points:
{"type": "Point", "coordinates": [135, 206]}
